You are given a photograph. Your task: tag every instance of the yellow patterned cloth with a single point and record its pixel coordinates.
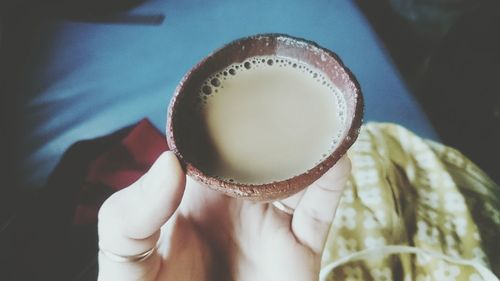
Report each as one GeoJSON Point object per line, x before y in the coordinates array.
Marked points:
{"type": "Point", "coordinates": [439, 209]}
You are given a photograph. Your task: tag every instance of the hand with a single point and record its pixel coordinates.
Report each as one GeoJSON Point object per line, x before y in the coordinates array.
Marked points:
{"type": "Point", "coordinates": [209, 236]}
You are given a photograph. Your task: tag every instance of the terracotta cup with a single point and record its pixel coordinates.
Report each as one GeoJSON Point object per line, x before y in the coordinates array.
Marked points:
{"type": "Point", "coordinates": [186, 133]}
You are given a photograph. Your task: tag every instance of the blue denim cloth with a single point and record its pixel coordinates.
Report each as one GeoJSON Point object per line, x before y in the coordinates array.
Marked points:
{"type": "Point", "coordinates": [89, 79]}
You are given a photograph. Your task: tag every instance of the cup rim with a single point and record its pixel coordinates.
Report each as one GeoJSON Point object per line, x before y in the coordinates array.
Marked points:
{"type": "Point", "coordinates": [277, 189]}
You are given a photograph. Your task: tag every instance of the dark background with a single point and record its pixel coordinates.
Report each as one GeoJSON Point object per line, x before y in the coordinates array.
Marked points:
{"type": "Point", "coordinates": [449, 53]}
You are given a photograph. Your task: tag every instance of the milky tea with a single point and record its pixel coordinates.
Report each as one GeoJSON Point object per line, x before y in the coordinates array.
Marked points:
{"type": "Point", "coordinates": [269, 118]}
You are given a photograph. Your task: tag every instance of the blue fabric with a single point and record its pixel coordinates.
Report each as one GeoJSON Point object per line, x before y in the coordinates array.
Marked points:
{"type": "Point", "coordinates": [89, 79]}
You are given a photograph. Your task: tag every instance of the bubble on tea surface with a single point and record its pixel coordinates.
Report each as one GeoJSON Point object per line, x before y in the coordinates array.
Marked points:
{"type": "Point", "coordinates": [207, 90]}
{"type": "Point", "coordinates": [215, 82]}
{"type": "Point", "coordinates": [247, 65]}
{"type": "Point", "coordinates": [232, 71]}
{"type": "Point", "coordinates": [270, 62]}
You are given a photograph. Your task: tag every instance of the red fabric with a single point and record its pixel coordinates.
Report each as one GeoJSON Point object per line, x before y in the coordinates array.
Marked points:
{"type": "Point", "coordinates": [117, 168]}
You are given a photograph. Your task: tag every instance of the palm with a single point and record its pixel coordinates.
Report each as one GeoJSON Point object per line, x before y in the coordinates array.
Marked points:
{"type": "Point", "coordinates": [233, 240]}
{"type": "Point", "coordinates": [209, 236]}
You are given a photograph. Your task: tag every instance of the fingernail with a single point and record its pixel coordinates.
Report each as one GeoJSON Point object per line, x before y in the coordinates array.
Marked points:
{"type": "Point", "coordinates": [337, 175]}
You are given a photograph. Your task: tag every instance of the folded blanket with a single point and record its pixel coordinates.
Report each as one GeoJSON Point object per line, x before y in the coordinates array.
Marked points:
{"type": "Point", "coordinates": [440, 208]}
{"type": "Point", "coordinates": [413, 209]}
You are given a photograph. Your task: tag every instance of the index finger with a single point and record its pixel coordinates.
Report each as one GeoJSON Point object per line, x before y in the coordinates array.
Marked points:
{"type": "Point", "coordinates": [315, 212]}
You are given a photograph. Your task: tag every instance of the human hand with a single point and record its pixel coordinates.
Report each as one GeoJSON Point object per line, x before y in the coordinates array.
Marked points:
{"type": "Point", "coordinates": [210, 236]}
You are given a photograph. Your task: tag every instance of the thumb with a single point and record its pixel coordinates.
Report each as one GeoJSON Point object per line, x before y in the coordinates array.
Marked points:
{"type": "Point", "coordinates": [130, 220]}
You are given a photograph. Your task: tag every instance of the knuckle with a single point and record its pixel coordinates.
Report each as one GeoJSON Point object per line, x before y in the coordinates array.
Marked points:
{"type": "Point", "coordinates": [316, 220]}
